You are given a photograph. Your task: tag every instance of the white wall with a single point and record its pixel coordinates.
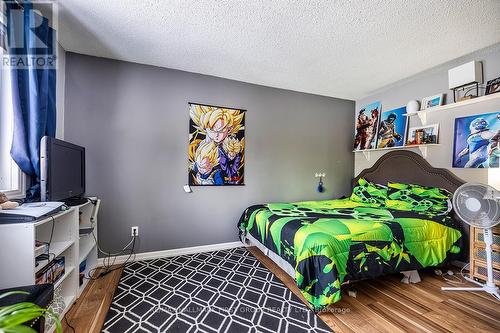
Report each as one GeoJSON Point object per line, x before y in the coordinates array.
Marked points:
{"type": "Point", "coordinates": [433, 82]}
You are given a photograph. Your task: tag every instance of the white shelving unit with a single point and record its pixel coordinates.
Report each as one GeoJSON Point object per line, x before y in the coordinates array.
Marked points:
{"type": "Point", "coordinates": [17, 259]}
{"type": "Point", "coordinates": [424, 113]}
{"type": "Point", "coordinates": [423, 116]}
{"type": "Point", "coordinates": [423, 149]}
{"type": "Point", "coordinates": [87, 243]}
{"type": "Point", "coordinates": [17, 256]}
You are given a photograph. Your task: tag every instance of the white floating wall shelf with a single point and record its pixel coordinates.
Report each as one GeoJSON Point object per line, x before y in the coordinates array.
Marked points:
{"type": "Point", "coordinates": [423, 149]}
{"type": "Point", "coordinates": [422, 114]}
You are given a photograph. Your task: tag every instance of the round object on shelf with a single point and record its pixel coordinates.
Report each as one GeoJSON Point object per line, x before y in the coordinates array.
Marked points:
{"type": "Point", "coordinates": [412, 107]}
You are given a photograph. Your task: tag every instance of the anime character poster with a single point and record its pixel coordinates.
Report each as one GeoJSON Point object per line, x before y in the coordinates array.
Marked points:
{"type": "Point", "coordinates": [392, 128]}
{"type": "Point", "coordinates": [366, 126]}
{"type": "Point", "coordinates": [216, 145]}
{"type": "Point", "coordinates": [477, 141]}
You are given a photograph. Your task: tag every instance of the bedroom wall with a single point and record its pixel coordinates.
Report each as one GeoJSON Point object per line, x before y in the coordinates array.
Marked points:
{"type": "Point", "coordinates": [133, 121]}
{"type": "Point", "coordinates": [430, 83]}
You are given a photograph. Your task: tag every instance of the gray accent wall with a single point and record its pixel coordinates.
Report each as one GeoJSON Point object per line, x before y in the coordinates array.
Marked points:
{"type": "Point", "coordinates": [133, 120]}
{"type": "Point", "coordinates": [432, 82]}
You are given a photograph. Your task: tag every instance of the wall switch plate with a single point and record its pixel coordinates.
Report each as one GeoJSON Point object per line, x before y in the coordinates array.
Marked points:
{"type": "Point", "coordinates": [134, 231]}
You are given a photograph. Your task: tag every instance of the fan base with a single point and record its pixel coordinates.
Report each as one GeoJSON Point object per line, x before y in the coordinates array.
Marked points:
{"type": "Point", "coordinates": [487, 287]}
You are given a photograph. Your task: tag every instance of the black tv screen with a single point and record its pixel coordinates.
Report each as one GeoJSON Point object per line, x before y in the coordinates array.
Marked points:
{"type": "Point", "coordinates": [62, 167]}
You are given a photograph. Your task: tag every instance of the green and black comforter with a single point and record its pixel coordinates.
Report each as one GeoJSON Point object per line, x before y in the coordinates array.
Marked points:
{"type": "Point", "coordinates": [333, 241]}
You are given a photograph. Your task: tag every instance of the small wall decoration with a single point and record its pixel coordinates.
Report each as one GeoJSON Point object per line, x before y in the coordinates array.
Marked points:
{"type": "Point", "coordinates": [431, 101]}
{"type": "Point", "coordinates": [423, 135]}
{"type": "Point", "coordinates": [477, 141]}
{"type": "Point", "coordinates": [216, 145]}
{"type": "Point", "coordinates": [392, 128]}
{"type": "Point", "coordinates": [493, 86]}
{"type": "Point", "coordinates": [367, 119]}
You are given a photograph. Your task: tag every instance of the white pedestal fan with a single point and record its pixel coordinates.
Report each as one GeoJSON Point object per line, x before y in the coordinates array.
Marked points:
{"type": "Point", "coordinates": [479, 206]}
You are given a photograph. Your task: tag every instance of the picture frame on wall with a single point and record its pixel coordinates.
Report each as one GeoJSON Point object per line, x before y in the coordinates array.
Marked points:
{"type": "Point", "coordinates": [216, 151]}
{"type": "Point", "coordinates": [493, 86]}
{"type": "Point", "coordinates": [476, 141]}
{"type": "Point", "coordinates": [432, 101]}
{"type": "Point", "coordinates": [366, 125]}
{"type": "Point", "coordinates": [392, 128]}
{"type": "Point", "coordinates": [421, 135]}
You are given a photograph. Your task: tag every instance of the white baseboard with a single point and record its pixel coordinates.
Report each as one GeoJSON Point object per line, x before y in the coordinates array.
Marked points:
{"type": "Point", "coordinates": [173, 252]}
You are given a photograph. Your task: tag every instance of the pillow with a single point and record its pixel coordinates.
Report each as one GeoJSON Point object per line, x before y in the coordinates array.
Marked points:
{"type": "Point", "coordinates": [367, 192]}
{"type": "Point", "coordinates": [418, 198]}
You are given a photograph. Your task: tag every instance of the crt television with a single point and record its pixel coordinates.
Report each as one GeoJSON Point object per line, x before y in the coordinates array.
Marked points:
{"type": "Point", "coordinates": [62, 170]}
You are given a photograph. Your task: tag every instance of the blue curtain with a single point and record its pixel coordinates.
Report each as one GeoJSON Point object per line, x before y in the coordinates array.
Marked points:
{"type": "Point", "coordinates": [33, 87]}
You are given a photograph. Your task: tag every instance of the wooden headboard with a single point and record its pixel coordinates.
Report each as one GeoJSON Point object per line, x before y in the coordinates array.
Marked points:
{"type": "Point", "coordinates": [404, 166]}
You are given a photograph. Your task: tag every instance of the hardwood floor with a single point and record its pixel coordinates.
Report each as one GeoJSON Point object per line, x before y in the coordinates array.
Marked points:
{"type": "Point", "coordinates": [382, 305]}
{"type": "Point", "coordinates": [387, 305]}
{"type": "Point", "coordinates": [88, 313]}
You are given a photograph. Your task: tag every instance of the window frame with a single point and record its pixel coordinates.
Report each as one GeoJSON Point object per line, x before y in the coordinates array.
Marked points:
{"type": "Point", "coordinates": [17, 187]}
{"type": "Point", "coordinates": [20, 191]}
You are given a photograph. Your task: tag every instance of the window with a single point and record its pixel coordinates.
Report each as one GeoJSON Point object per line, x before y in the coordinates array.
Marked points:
{"type": "Point", "coordinates": [12, 180]}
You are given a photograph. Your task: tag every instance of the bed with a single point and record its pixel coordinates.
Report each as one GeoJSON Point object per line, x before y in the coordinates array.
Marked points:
{"type": "Point", "coordinates": [324, 244]}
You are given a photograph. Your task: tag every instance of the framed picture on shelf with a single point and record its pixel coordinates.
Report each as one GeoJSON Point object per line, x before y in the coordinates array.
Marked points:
{"type": "Point", "coordinates": [432, 101]}
{"type": "Point", "coordinates": [493, 86]}
{"type": "Point", "coordinates": [476, 142]}
{"type": "Point", "coordinates": [392, 128]}
{"type": "Point", "coordinates": [367, 119]}
{"type": "Point", "coordinates": [422, 135]}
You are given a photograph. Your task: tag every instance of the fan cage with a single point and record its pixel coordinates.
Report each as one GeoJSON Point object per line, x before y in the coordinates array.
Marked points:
{"type": "Point", "coordinates": [489, 214]}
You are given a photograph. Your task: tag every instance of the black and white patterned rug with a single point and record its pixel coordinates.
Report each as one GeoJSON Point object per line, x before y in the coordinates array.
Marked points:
{"type": "Point", "coordinates": [221, 291]}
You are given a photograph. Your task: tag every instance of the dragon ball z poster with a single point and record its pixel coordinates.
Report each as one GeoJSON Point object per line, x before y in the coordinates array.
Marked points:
{"type": "Point", "coordinates": [367, 120]}
{"type": "Point", "coordinates": [477, 141]}
{"type": "Point", "coordinates": [216, 145]}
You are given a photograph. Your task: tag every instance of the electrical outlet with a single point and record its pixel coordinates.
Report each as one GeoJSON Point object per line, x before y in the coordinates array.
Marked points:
{"type": "Point", "coordinates": [134, 231]}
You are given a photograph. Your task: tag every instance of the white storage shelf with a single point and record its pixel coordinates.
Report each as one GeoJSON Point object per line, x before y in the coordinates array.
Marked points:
{"type": "Point", "coordinates": [87, 243]}
{"type": "Point", "coordinates": [18, 253]}
{"type": "Point", "coordinates": [424, 114]}
{"type": "Point", "coordinates": [88, 246]}
{"type": "Point", "coordinates": [67, 272]}
{"type": "Point", "coordinates": [460, 104]}
{"type": "Point", "coordinates": [423, 149]}
{"type": "Point", "coordinates": [91, 263]}
{"type": "Point", "coordinates": [56, 249]}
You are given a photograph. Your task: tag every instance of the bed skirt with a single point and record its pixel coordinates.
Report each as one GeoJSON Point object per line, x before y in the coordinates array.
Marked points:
{"type": "Point", "coordinates": [282, 263]}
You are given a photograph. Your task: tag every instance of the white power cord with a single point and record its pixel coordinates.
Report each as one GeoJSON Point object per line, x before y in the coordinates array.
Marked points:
{"type": "Point", "coordinates": [450, 277]}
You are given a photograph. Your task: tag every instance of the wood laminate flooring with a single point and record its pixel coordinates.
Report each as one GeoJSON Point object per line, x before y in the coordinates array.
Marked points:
{"type": "Point", "coordinates": [381, 305]}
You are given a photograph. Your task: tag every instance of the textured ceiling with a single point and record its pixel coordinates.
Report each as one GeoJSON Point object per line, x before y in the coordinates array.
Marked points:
{"type": "Point", "coordinates": [336, 48]}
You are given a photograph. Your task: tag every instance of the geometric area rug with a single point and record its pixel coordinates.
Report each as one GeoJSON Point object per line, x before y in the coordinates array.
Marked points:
{"type": "Point", "coordinates": [220, 291]}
